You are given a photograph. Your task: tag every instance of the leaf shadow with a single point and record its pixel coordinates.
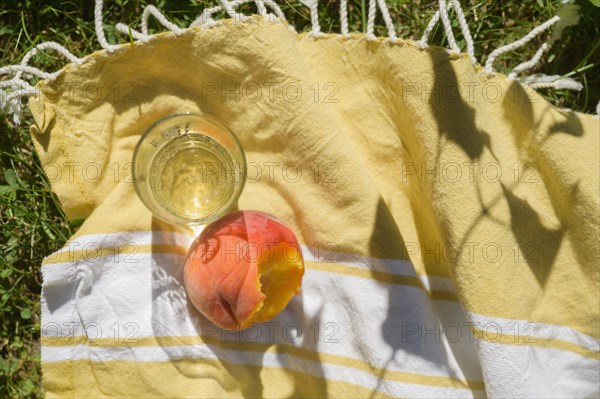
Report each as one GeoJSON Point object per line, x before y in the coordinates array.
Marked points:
{"type": "Point", "coordinates": [538, 244]}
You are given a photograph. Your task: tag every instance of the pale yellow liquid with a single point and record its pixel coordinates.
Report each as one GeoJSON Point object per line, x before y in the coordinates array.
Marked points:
{"type": "Point", "coordinates": [193, 176]}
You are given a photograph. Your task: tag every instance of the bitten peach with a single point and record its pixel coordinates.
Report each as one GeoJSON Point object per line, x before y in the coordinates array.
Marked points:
{"type": "Point", "coordinates": [243, 269]}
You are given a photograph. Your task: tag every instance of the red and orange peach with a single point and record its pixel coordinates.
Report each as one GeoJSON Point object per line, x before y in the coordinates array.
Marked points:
{"type": "Point", "coordinates": [243, 269]}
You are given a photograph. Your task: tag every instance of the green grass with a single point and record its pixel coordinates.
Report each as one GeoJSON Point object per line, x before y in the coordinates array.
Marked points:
{"type": "Point", "coordinates": [33, 224]}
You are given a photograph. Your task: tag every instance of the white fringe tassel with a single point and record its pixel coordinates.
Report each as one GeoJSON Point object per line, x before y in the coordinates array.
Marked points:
{"type": "Point", "coordinates": [529, 64]}
{"type": "Point", "coordinates": [464, 27]}
{"type": "Point", "coordinates": [16, 87]}
{"type": "Point", "coordinates": [151, 10]}
{"type": "Point", "coordinates": [489, 64]}
{"type": "Point", "coordinates": [541, 81]}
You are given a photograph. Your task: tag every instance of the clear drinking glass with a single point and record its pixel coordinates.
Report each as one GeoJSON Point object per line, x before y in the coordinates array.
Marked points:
{"type": "Point", "coordinates": [189, 169]}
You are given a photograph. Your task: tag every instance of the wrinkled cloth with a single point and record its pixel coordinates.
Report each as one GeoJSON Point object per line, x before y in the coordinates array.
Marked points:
{"type": "Point", "coordinates": [449, 223]}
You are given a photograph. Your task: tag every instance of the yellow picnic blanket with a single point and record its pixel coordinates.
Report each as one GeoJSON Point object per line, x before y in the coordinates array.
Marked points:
{"type": "Point", "coordinates": [449, 222]}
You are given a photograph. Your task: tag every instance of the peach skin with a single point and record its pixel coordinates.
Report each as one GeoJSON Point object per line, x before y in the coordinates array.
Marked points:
{"type": "Point", "coordinates": [243, 269]}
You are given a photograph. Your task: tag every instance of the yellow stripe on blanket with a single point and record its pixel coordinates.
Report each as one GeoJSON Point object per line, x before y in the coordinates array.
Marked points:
{"type": "Point", "coordinates": [190, 378]}
{"type": "Point", "coordinates": [314, 356]}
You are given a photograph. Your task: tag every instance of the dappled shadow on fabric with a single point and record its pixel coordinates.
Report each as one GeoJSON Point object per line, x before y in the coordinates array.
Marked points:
{"type": "Point", "coordinates": [405, 316]}
{"type": "Point", "coordinates": [538, 134]}
{"type": "Point", "coordinates": [538, 243]}
{"type": "Point", "coordinates": [455, 118]}
{"type": "Point", "coordinates": [517, 105]}
{"type": "Point", "coordinates": [456, 122]}
{"type": "Point", "coordinates": [304, 387]}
